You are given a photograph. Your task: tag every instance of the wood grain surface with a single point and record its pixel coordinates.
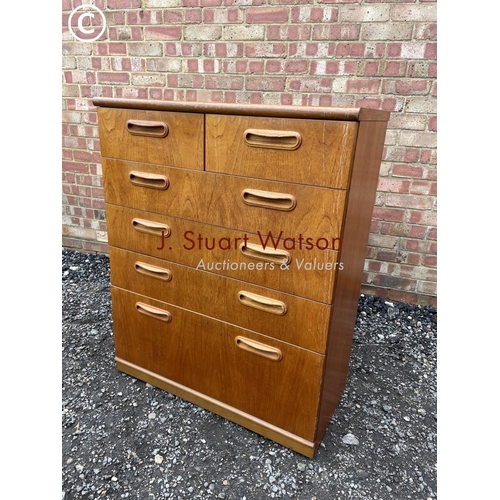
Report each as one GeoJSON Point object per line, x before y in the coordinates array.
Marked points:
{"type": "Point", "coordinates": [224, 298]}
{"type": "Point", "coordinates": [219, 200]}
{"type": "Point", "coordinates": [201, 353]}
{"type": "Point", "coordinates": [323, 158]}
{"type": "Point", "coordinates": [310, 273]}
{"type": "Point", "coordinates": [183, 146]}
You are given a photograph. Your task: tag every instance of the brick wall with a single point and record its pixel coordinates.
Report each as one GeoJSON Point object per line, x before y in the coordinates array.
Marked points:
{"type": "Point", "coordinates": [301, 52]}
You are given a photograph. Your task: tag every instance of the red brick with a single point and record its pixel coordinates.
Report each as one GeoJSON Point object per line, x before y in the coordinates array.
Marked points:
{"type": "Point", "coordinates": [72, 166]}
{"type": "Point", "coordinates": [113, 78]}
{"type": "Point", "coordinates": [395, 68]}
{"type": "Point", "coordinates": [360, 86]}
{"type": "Point", "coordinates": [412, 87]}
{"type": "Point", "coordinates": [113, 48]}
{"type": "Point", "coordinates": [387, 256]}
{"type": "Point", "coordinates": [269, 83]}
{"type": "Point", "coordinates": [394, 185]}
{"type": "Point", "coordinates": [394, 50]}
{"type": "Point", "coordinates": [266, 15]}
{"type": "Point", "coordinates": [428, 156]}
{"type": "Point", "coordinates": [124, 4]}
{"type": "Point", "coordinates": [93, 246]}
{"type": "Point", "coordinates": [274, 66]}
{"type": "Point", "coordinates": [292, 67]}
{"type": "Point", "coordinates": [87, 156]}
{"type": "Point", "coordinates": [163, 33]}
{"type": "Point", "coordinates": [413, 259]}
{"type": "Point", "coordinates": [432, 123]}
{"type": "Point", "coordinates": [394, 282]}
{"type": "Point", "coordinates": [418, 232]}
{"type": "Point", "coordinates": [407, 171]}
{"type": "Point", "coordinates": [371, 68]}
{"type": "Point", "coordinates": [430, 260]}
{"type": "Point", "coordinates": [254, 67]}
{"type": "Point", "coordinates": [176, 16]}
{"type": "Point", "coordinates": [368, 102]}
{"type": "Point", "coordinates": [374, 266]}
{"type": "Point", "coordinates": [311, 84]}
{"type": "Point", "coordinates": [224, 81]}
{"type": "Point", "coordinates": [350, 50]}
{"type": "Point", "coordinates": [430, 51]}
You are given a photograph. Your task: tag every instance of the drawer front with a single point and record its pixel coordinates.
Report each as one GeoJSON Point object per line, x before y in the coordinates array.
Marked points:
{"type": "Point", "coordinates": [317, 152]}
{"type": "Point", "coordinates": [235, 202]}
{"type": "Point", "coordinates": [169, 138]}
{"type": "Point", "coordinates": [307, 273]}
{"type": "Point", "coordinates": [275, 314]}
{"type": "Point", "coordinates": [272, 380]}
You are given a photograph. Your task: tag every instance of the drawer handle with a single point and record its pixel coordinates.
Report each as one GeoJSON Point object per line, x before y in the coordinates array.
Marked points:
{"type": "Point", "coordinates": [272, 139]}
{"type": "Point", "coordinates": [272, 353]}
{"type": "Point", "coordinates": [147, 128]}
{"type": "Point", "coordinates": [268, 199]}
{"type": "Point", "coordinates": [154, 228]}
{"type": "Point", "coordinates": [153, 312]}
{"type": "Point", "coordinates": [262, 303]}
{"type": "Point", "coordinates": [153, 271]}
{"type": "Point", "coordinates": [147, 180]}
{"type": "Point", "coordinates": [258, 252]}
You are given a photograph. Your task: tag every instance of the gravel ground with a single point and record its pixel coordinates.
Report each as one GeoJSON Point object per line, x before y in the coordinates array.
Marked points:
{"type": "Point", "coordinates": [123, 438]}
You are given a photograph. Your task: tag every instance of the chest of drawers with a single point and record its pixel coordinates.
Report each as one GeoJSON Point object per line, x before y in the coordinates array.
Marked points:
{"type": "Point", "coordinates": [237, 237]}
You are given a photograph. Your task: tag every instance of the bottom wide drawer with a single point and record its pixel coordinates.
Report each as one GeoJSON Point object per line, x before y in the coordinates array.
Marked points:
{"type": "Point", "coordinates": [274, 381]}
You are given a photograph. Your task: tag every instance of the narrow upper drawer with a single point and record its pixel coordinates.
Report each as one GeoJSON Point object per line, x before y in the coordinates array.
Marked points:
{"type": "Point", "coordinates": [317, 152]}
{"type": "Point", "coordinates": [168, 138]}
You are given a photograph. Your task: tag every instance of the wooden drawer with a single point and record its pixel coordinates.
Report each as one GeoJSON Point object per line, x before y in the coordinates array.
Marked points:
{"type": "Point", "coordinates": [310, 274]}
{"type": "Point", "coordinates": [276, 314]}
{"type": "Point", "coordinates": [272, 380]}
{"type": "Point", "coordinates": [169, 138]}
{"type": "Point", "coordinates": [230, 201]}
{"type": "Point", "coordinates": [313, 152]}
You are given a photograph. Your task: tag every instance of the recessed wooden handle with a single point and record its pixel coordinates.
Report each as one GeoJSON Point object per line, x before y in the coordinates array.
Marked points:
{"type": "Point", "coordinates": [149, 227]}
{"type": "Point", "coordinates": [148, 180]}
{"type": "Point", "coordinates": [153, 271]}
{"type": "Point", "coordinates": [269, 199]}
{"type": "Point", "coordinates": [262, 303]}
{"type": "Point", "coordinates": [258, 252]}
{"type": "Point", "coordinates": [266, 351]}
{"type": "Point", "coordinates": [147, 128]}
{"type": "Point", "coordinates": [272, 139]}
{"type": "Point", "coordinates": [153, 312]}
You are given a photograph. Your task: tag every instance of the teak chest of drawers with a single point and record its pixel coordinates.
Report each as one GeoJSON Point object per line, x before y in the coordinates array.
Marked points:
{"type": "Point", "coordinates": [237, 237]}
